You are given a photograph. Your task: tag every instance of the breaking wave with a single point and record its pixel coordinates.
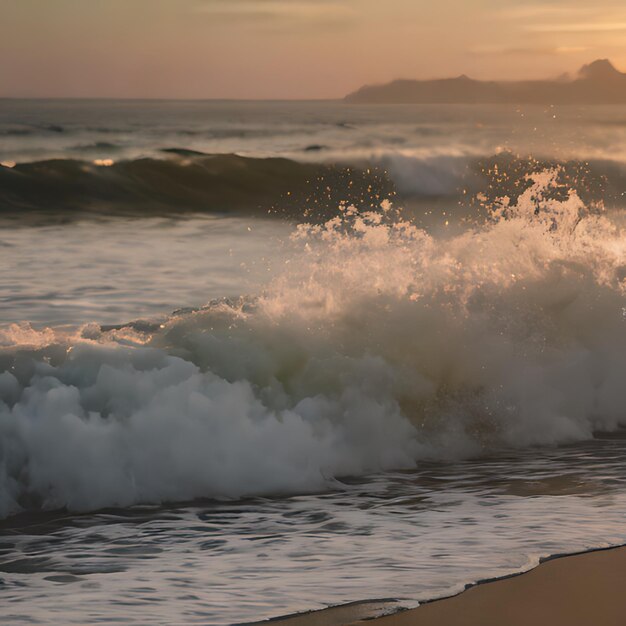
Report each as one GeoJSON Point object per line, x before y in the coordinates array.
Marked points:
{"type": "Point", "coordinates": [377, 347]}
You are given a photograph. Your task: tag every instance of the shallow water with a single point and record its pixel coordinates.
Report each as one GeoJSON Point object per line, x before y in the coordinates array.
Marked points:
{"type": "Point", "coordinates": [115, 271]}
{"type": "Point", "coordinates": [410, 536]}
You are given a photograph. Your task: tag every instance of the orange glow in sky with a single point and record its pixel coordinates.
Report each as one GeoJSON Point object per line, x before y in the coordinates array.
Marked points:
{"type": "Point", "coordinates": [291, 48]}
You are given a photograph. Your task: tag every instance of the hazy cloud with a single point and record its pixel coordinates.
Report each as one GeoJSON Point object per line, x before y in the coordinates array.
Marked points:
{"type": "Point", "coordinates": [532, 11]}
{"type": "Point", "coordinates": [254, 10]}
{"type": "Point", "coordinates": [486, 50]}
{"type": "Point", "coordinates": [577, 27]}
{"type": "Point", "coordinates": [568, 17]}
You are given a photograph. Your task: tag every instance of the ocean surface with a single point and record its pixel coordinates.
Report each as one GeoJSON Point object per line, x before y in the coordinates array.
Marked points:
{"type": "Point", "coordinates": [264, 358]}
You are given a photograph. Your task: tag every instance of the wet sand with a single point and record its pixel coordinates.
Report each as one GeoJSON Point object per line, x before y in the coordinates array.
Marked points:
{"type": "Point", "coordinates": [581, 590]}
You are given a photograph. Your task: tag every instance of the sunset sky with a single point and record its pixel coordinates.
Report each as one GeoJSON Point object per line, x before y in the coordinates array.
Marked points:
{"type": "Point", "coordinates": [291, 48]}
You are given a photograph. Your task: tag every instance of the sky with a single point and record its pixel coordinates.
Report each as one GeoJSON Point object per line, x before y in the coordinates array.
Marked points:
{"type": "Point", "coordinates": [291, 48]}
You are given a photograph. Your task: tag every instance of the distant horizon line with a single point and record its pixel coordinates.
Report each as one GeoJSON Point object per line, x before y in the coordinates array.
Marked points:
{"type": "Point", "coordinates": [341, 100]}
{"type": "Point", "coordinates": [164, 99]}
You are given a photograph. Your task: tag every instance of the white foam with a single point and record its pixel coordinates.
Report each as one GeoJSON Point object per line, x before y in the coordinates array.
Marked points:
{"type": "Point", "coordinates": [377, 347]}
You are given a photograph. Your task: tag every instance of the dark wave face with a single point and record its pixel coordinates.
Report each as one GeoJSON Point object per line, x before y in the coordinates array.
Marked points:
{"type": "Point", "coordinates": [188, 182]}
{"type": "Point", "coordinates": [184, 181]}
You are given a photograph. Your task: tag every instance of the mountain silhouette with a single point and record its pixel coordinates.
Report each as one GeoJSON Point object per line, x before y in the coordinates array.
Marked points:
{"type": "Point", "coordinates": [596, 83]}
{"type": "Point", "coordinates": [602, 69]}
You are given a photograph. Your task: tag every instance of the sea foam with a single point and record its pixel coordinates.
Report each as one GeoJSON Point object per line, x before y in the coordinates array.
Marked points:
{"type": "Point", "coordinates": [378, 346]}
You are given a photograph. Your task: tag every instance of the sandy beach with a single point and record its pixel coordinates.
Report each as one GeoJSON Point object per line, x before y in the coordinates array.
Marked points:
{"type": "Point", "coordinates": [581, 590]}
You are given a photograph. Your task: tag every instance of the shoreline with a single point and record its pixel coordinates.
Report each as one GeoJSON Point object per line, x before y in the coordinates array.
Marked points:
{"type": "Point", "coordinates": [572, 589]}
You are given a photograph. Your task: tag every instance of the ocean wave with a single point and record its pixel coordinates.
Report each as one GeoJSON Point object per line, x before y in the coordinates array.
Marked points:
{"type": "Point", "coordinates": [96, 146]}
{"type": "Point", "coordinates": [186, 181]}
{"type": "Point", "coordinates": [379, 346]}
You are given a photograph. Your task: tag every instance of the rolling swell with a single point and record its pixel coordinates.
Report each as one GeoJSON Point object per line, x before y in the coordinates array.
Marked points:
{"type": "Point", "coordinates": [186, 181]}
